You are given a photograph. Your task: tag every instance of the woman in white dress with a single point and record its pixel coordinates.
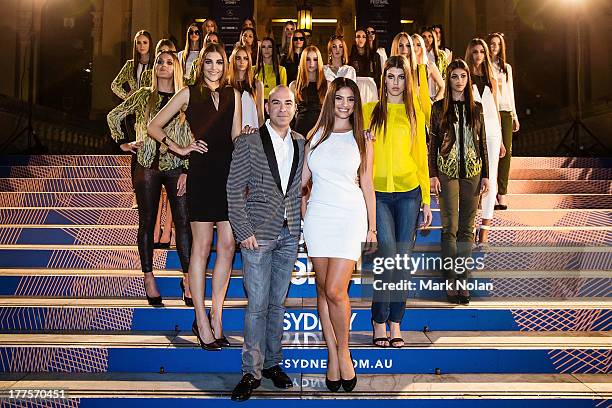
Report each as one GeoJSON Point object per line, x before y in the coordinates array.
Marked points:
{"type": "Point", "coordinates": [242, 78]}
{"type": "Point", "coordinates": [340, 214]}
{"type": "Point", "coordinates": [507, 110]}
{"type": "Point", "coordinates": [485, 91]}
{"type": "Point", "coordinates": [338, 57]}
{"type": "Point", "coordinates": [193, 45]}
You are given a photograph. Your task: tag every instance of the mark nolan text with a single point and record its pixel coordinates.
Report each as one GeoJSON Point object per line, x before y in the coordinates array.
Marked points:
{"type": "Point", "coordinates": [428, 284]}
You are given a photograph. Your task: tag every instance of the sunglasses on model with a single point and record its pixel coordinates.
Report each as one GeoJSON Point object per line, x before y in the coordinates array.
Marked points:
{"type": "Point", "coordinates": [197, 32]}
{"type": "Point", "coordinates": [298, 38]}
{"type": "Point", "coordinates": [371, 32]}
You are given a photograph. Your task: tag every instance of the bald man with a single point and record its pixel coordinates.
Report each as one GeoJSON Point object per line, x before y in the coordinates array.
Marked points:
{"type": "Point", "coordinates": [264, 197]}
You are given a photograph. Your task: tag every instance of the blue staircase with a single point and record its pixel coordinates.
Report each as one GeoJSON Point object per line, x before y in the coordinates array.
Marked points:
{"type": "Point", "coordinates": [73, 317]}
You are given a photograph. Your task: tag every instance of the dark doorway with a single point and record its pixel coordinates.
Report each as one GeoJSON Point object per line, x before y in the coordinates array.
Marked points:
{"type": "Point", "coordinates": [65, 64]}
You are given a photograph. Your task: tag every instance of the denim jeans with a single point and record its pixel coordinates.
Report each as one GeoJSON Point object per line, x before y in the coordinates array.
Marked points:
{"type": "Point", "coordinates": [397, 215]}
{"type": "Point", "coordinates": [267, 274]}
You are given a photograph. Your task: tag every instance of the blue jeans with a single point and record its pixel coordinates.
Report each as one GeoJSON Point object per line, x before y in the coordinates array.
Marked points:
{"type": "Point", "coordinates": [397, 215]}
{"type": "Point", "coordinates": [267, 274]}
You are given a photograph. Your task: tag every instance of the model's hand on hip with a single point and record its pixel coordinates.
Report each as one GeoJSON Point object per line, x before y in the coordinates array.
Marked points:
{"type": "Point", "coordinates": [131, 147]}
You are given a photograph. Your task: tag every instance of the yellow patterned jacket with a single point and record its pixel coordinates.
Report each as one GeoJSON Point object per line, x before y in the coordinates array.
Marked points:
{"type": "Point", "coordinates": [178, 130]}
{"type": "Point", "coordinates": [192, 72]}
{"type": "Point", "coordinates": [442, 63]}
{"type": "Point", "coordinates": [126, 76]}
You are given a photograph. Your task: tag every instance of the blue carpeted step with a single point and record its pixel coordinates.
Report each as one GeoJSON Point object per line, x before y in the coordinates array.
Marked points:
{"type": "Point", "coordinates": [491, 314]}
{"type": "Point", "coordinates": [484, 284]}
{"type": "Point", "coordinates": [452, 352]}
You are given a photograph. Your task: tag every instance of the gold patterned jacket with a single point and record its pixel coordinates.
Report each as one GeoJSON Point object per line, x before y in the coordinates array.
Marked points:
{"type": "Point", "coordinates": [126, 75]}
{"type": "Point", "coordinates": [445, 152]}
{"type": "Point", "coordinates": [442, 63]}
{"type": "Point", "coordinates": [177, 129]}
{"type": "Point", "coordinates": [192, 72]}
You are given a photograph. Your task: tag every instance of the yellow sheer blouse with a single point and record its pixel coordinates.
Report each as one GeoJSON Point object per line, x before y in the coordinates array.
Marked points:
{"type": "Point", "coordinates": [400, 163]}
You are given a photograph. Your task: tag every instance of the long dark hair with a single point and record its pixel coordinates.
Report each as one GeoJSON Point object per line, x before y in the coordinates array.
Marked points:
{"type": "Point", "coordinates": [291, 53]}
{"type": "Point", "coordinates": [487, 67]}
{"type": "Point", "coordinates": [254, 52]}
{"type": "Point", "coordinates": [354, 52]}
{"type": "Point", "coordinates": [448, 111]}
{"type": "Point", "coordinates": [435, 46]}
{"type": "Point", "coordinates": [440, 27]}
{"type": "Point", "coordinates": [379, 114]}
{"type": "Point", "coordinates": [502, 51]}
{"type": "Point", "coordinates": [212, 47]}
{"type": "Point", "coordinates": [327, 117]}
{"type": "Point", "coordinates": [136, 55]}
{"type": "Point", "coordinates": [275, 65]}
{"type": "Point", "coordinates": [374, 46]}
{"type": "Point", "coordinates": [188, 44]}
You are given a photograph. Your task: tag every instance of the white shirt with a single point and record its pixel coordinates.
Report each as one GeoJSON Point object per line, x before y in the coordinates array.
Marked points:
{"type": "Point", "coordinates": [345, 71]}
{"type": "Point", "coordinates": [283, 150]}
{"type": "Point", "coordinates": [193, 55]}
{"type": "Point", "coordinates": [505, 91]}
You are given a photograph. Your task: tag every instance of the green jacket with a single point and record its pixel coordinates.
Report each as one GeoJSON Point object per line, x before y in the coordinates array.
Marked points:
{"type": "Point", "coordinates": [178, 130]}
{"type": "Point", "coordinates": [126, 75]}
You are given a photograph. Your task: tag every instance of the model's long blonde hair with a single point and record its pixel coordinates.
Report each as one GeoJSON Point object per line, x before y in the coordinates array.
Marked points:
{"type": "Point", "coordinates": [177, 79]}
{"type": "Point", "coordinates": [302, 76]}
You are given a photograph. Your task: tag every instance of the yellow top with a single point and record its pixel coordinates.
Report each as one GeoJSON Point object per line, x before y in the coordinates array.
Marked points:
{"type": "Point", "coordinates": [270, 81]}
{"type": "Point", "coordinates": [399, 164]}
{"type": "Point", "coordinates": [423, 90]}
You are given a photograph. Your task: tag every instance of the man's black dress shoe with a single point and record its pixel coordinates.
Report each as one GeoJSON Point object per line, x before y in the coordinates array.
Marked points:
{"type": "Point", "coordinates": [278, 377]}
{"type": "Point", "coordinates": [245, 387]}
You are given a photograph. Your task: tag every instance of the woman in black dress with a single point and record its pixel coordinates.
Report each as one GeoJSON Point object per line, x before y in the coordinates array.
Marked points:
{"type": "Point", "coordinates": [291, 60]}
{"type": "Point", "coordinates": [214, 114]}
{"type": "Point", "coordinates": [309, 89]}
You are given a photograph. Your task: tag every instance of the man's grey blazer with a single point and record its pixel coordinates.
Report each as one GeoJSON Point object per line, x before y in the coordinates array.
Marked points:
{"type": "Point", "coordinates": [256, 203]}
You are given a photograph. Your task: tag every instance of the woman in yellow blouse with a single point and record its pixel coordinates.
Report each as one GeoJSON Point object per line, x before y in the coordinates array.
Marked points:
{"type": "Point", "coordinates": [401, 181]}
{"type": "Point", "coordinates": [268, 69]}
{"type": "Point", "coordinates": [156, 165]}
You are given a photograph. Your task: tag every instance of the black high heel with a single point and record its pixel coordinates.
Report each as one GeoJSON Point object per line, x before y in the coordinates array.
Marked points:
{"type": "Point", "coordinates": [212, 346]}
{"type": "Point", "coordinates": [156, 301]}
{"type": "Point", "coordinates": [223, 341]}
{"type": "Point", "coordinates": [349, 385]}
{"type": "Point", "coordinates": [188, 301]}
{"type": "Point", "coordinates": [333, 386]}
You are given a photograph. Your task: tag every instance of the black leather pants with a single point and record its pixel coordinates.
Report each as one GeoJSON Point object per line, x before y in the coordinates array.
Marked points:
{"type": "Point", "coordinates": [147, 184]}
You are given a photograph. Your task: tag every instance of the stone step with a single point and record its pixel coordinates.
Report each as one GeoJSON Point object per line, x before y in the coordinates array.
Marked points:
{"type": "Point", "coordinates": [451, 390]}
{"type": "Point", "coordinates": [124, 200]}
{"type": "Point", "coordinates": [106, 218]}
{"type": "Point", "coordinates": [113, 185]}
{"type": "Point", "coordinates": [124, 160]}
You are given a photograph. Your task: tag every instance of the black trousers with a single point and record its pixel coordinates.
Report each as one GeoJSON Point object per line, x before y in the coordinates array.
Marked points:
{"type": "Point", "coordinates": [147, 184]}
